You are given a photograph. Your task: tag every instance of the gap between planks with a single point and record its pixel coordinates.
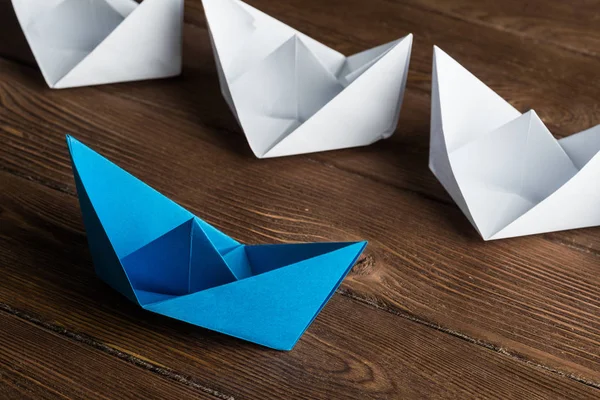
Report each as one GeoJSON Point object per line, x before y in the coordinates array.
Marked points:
{"type": "Point", "coordinates": [176, 376]}
{"type": "Point", "coordinates": [500, 350]}
{"type": "Point", "coordinates": [138, 362]}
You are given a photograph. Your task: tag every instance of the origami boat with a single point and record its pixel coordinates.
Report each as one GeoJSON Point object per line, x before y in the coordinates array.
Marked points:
{"type": "Point", "coordinates": [92, 42]}
{"type": "Point", "coordinates": [292, 94]}
{"type": "Point", "coordinates": [162, 257]}
{"type": "Point", "coordinates": [504, 169]}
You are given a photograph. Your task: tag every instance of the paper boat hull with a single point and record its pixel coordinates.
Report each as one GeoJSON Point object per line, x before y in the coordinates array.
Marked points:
{"type": "Point", "coordinates": [293, 95]}
{"type": "Point", "coordinates": [170, 262]}
{"type": "Point", "coordinates": [505, 170]}
{"type": "Point", "coordinates": [82, 43]}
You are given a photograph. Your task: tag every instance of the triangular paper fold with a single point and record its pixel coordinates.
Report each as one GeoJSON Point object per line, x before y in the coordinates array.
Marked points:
{"type": "Point", "coordinates": [504, 169]}
{"type": "Point", "coordinates": [273, 308]}
{"type": "Point", "coordinates": [106, 261]}
{"type": "Point", "coordinates": [93, 42]}
{"type": "Point", "coordinates": [292, 94]}
{"type": "Point", "coordinates": [119, 197]}
{"type": "Point", "coordinates": [163, 265]}
{"type": "Point", "coordinates": [162, 257]}
{"type": "Point", "coordinates": [207, 268]}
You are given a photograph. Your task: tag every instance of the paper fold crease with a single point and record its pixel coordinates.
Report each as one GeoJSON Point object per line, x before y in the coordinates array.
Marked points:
{"type": "Point", "coordinates": [504, 169]}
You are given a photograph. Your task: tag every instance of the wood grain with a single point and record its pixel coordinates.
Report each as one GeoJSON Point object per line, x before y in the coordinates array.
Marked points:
{"type": "Point", "coordinates": [36, 363]}
{"type": "Point", "coordinates": [352, 351]}
{"type": "Point", "coordinates": [428, 261]}
{"type": "Point", "coordinates": [531, 299]}
{"type": "Point", "coordinates": [572, 25]}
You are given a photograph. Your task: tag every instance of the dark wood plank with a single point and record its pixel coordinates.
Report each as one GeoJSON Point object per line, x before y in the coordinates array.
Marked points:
{"type": "Point", "coordinates": [16, 388]}
{"type": "Point", "coordinates": [37, 363]}
{"type": "Point", "coordinates": [13, 44]}
{"type": "Point", "coordinates": [352, 350]}
{"type": "Point", "coordinates": [533, 297]}
{"type": "Point", "coordinates": [427, 244]}
{"type": "Point", "coordinates": [572, 25]}
{"type": "Point", "coordinates": [538, 302]}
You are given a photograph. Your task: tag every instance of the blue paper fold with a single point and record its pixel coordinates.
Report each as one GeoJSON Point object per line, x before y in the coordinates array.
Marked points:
{"type": "Point", "coordinates": [162, 257]}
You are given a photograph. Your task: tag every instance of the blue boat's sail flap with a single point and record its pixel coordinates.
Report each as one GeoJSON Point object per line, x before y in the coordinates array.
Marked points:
{"type": "Point", "coordinates": [267, 257]}
{"type": "Point", "coordinates": [207, 268]}
{"type": "Point", "coordinates": [272, 309]}
{"type": "Point", "coordinates": [237, 260]}
{"type": "Point", "coordinates": [221, 241]}
{"type": "Point", "coordinates": [162, 266]}
{"type": "Point", "coordinates": [106, 262]}
{"type": "Point", "coordinates": [131, 212]}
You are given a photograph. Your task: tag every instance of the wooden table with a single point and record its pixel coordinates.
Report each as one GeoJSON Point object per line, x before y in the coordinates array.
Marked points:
{"type": "Point", "coordinates": [430, 311]}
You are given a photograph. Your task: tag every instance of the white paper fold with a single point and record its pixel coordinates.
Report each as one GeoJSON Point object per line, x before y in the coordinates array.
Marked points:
{"type": "Point", "coordinates": [93, 42]}
{"type": "Point", "coordinates": [292, 94]}
{"type": "Point", "coordinates": [504, 169]}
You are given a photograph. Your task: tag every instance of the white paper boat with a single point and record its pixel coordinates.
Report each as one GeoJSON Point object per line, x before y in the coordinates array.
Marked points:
{"type": "Point", "coordinates": [93, 42]}
{"type": "Point", "coordinates": [292, 95]}
{"type": "Point", "coordinates": [504, 169]}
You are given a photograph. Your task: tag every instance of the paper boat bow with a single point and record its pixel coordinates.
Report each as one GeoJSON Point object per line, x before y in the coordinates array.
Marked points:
{"type": "Point", "coordinates": [292, 95]}
{"type": "Point", "coordinates": [92, 42]}
{"type": "Point", "coordinates": [504, 169]}
{"type": "Point", "coordinates": [169, 261]}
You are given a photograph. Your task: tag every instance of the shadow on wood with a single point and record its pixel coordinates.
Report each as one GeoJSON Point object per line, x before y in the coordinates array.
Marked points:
{"type": "Point", "coordinates": [13, 44]}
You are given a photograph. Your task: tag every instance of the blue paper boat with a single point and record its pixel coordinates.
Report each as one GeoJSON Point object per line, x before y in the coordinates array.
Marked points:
{"type": "Point", "coordinates": [162, 257]}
